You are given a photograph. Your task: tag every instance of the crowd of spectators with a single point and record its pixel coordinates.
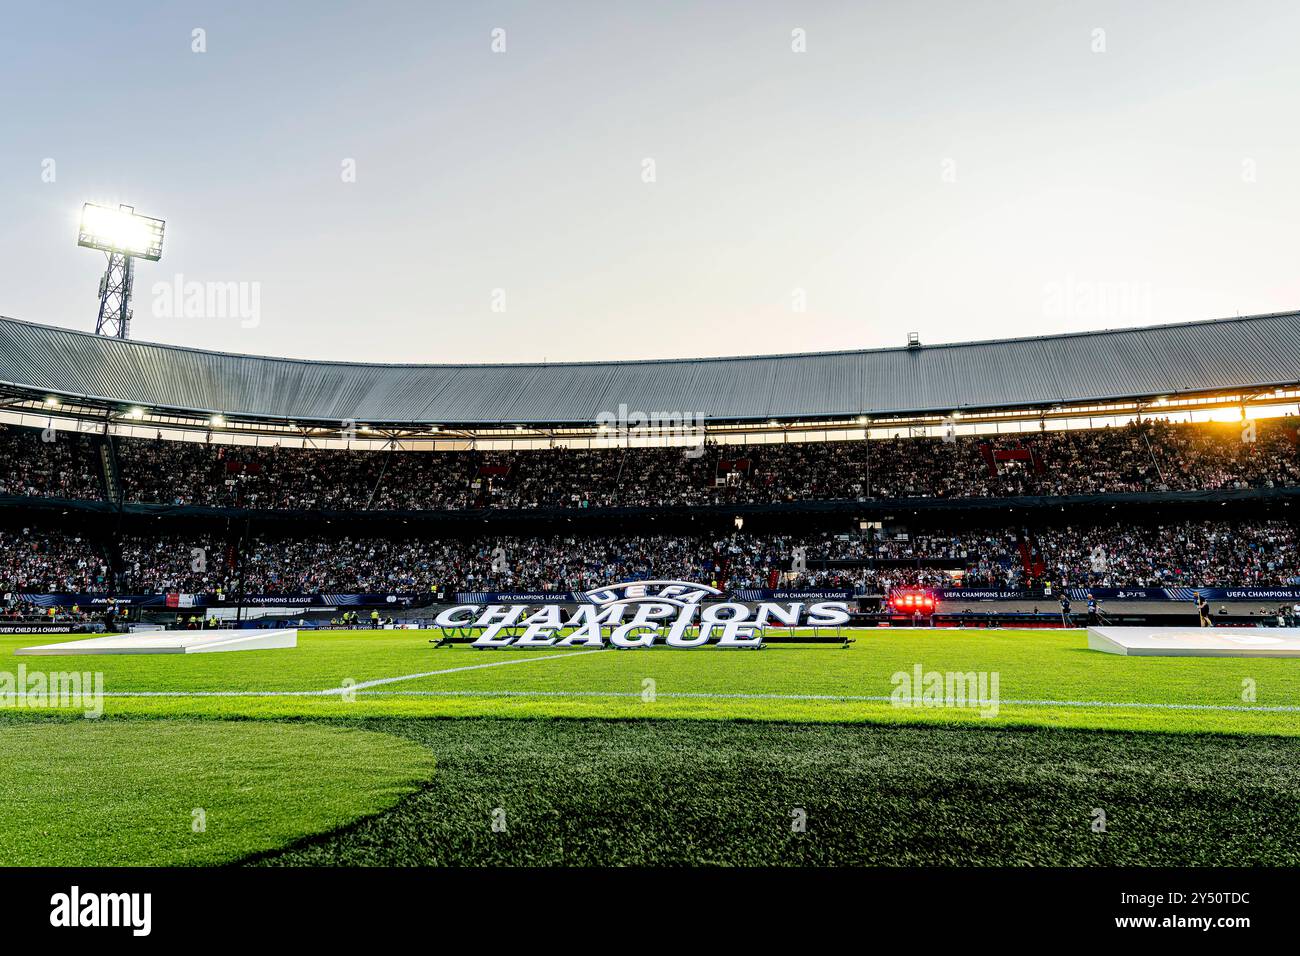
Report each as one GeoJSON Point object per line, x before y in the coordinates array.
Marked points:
{"type": "Point", "coordinates": [1152, 456]}
{"type": "Point", "coordinates": [52, 562]}
{"type": "Point", "coordinates": [14, 608]}
{"type": "Point", "coordinates": [372, 565]}
{"type": "Point", "coordinates": [1199, 554]}
{"type": "Point", "coordinates": [377, 565]}
{"type": "Point", "coordinates": [49, 464]}
{"type": "Point", "coordinates": [1190, 554]}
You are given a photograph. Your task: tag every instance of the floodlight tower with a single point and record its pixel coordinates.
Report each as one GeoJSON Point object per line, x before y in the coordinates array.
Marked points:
{"type": "Point", "coordinates": [123, 236]}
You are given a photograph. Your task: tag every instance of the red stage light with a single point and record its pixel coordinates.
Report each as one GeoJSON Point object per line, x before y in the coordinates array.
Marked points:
{"type": "Point", "coordinates": [918, 600]}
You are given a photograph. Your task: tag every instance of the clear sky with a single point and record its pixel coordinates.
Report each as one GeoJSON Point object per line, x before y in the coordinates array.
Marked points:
{"type": "Point", "coordinates": [964, 170]}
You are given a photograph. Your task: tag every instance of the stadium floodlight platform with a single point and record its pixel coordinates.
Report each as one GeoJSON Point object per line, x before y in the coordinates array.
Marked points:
{"type": "Point", "coordinates": [170, 642]}
{"type": "Point", "coordinates": [1196, 641]}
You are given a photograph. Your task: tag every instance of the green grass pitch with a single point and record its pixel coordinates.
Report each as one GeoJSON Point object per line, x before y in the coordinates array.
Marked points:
{"type": "Point", "coordinates": [658, 756]}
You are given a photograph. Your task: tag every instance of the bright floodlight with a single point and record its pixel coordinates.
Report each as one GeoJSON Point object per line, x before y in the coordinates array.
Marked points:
{"type": "Point", "coordinates": [122, 231]}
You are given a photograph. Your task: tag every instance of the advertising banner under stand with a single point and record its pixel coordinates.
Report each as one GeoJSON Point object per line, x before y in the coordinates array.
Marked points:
{"type": "Point", "coordinates": [176, 601]}
{"type": "Point", "coordinates": [638, 590]}
{"type": "Point", "coordinates": [1280, 594]}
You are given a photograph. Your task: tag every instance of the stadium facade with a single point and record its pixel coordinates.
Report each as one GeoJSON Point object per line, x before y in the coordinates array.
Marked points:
{"type": "Point", "coordinates": [117, 395]}
{"type": "Point", "coordinates": [1168, 368]}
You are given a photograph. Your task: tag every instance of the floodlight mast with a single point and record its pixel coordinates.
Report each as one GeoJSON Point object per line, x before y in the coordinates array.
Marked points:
{"type": "Point", "coordinates": [123, 236]}
{"type": "Point", "coordinates": [115, 296]}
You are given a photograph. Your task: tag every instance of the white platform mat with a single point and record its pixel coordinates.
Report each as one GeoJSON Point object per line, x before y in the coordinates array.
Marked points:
{"type": "Point", "coordinates": [170, 642]}
{"type": "Point", "coordinates": [1196, 641]}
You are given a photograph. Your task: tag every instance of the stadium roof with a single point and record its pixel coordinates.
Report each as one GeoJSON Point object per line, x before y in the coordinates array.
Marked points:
{"type": "Point", "coordinates": [1187, 358]}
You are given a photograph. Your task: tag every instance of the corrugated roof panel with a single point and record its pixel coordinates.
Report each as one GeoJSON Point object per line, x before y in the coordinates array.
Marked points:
{"type": "Point", "coordinates": [734, 388]}
{"type": "Point", "coordinates": [575, 394]}
{"type": "Point", "coordinates": [654, 388]}
{"type": "Point", "coordinates": [1187, 357]}
{"type": "Point", "coordinates": [1017, 374]}
{"type": "Point", "coordinates": [816, 385]}
{"type": "Point", "coordinates": [917, 379]}
{"type": "Point", "coordinates": [1109, 365]}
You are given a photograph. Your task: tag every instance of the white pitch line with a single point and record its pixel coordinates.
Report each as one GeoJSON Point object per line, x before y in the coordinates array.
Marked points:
{"type": "Point", "coordinates": [832, 698]}
{"type": "Point", "coordinates": [338, 691]}
{"type": "Point", "coordinates": [846, 698]}
{"type": "Point", "coordinates": [216, 693]}
{"type": "Point", "coordinates": [457, 670]}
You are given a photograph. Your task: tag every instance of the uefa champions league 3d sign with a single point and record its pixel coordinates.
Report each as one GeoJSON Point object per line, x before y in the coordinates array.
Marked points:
{"type": "Point", "coordinates": [639, 614]}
